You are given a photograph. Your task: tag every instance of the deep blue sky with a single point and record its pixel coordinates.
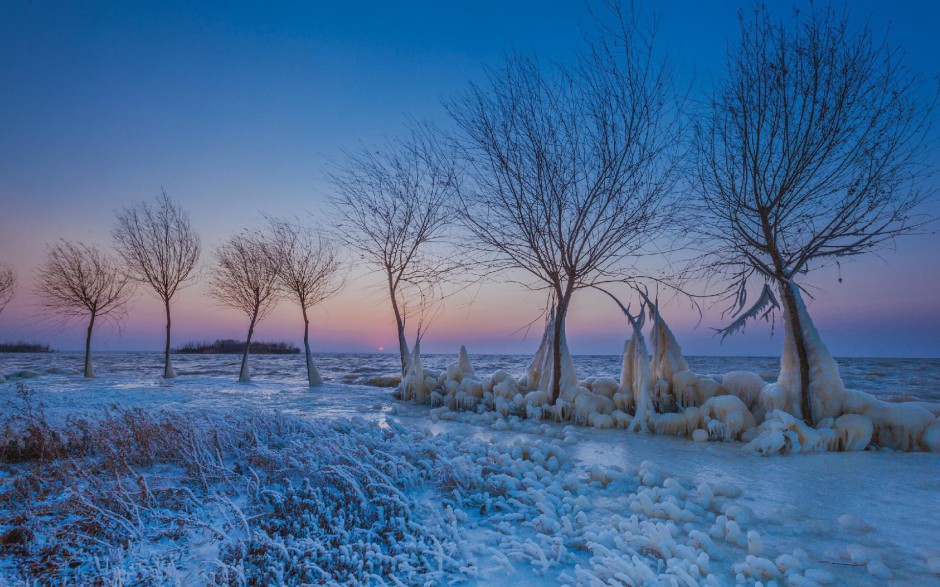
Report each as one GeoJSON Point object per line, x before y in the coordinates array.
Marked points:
{"type": "Point", "coordinates": [236, 107]}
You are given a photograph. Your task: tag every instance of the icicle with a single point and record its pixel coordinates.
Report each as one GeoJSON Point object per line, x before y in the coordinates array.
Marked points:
{"type": "Point", "coordinates": [762, 309]}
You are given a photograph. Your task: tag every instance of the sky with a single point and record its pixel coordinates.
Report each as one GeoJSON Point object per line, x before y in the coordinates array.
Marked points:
{"type": "Point", "coordinates": [238, 108]}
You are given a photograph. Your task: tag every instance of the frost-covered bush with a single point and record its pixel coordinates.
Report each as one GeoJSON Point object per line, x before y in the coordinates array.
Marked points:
{"type": "Point", "coordinates": [134, 498]}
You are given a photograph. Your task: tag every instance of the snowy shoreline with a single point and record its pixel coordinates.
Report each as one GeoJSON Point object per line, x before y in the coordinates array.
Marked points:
{"type": "Point", "coordinates": [641, 504]}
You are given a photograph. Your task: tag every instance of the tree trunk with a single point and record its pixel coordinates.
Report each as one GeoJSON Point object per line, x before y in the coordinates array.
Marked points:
{"type": "Point", "coordinates": [89, 369]}
{"type": "Point", "coordinates": [313, 376]}
{"type": "Point", "coordinates": [561, 310]}
{"type": "Point", "coordinates": [400, 324]}
{"type": "Point", "coordinates": [168, 372]}
{"type": "Point", "coordinates": [796, 329]}
{"type": "Point", "coordinates": [245, 375]}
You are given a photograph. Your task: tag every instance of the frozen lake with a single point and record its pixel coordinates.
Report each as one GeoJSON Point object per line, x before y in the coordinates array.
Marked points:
{"type": "Point", "coordinates": [888, 379]}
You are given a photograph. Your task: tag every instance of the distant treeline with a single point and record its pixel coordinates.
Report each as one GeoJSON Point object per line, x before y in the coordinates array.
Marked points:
{"type": "Point", "coordinates": [23, 347]}
{"type": "Point", "coordinates": [230, 346]}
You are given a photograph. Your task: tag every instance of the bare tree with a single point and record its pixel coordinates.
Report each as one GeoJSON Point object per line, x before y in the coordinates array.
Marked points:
{"type": "Point", "coordinates": [160, 249]}
{"type": "Point", "coordinates": [393, 205]}
{"type": "Point", "coordinates": [570, 169]}
{"type": "Point", "coordinates": [309, 274]}
{"type": "Point", "coordinates": [246, 278]}
{"type": "Point", "coordinates": [7, 286]}
{"type": "Point", "coordinates": [78, 281]}
{"type": "Point", "coordinates": [810, 154]}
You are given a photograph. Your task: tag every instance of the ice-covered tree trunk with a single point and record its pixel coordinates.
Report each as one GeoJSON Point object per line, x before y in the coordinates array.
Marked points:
{"type": "Point", "coordinates": [562, 368]}
{"type": "Point", "coordinates": [403, 352]}
{"type": "Point", "coordinates": [245, 374]}
{"type": "Point", "coordinates": [542, 373]}
{"type": "Point", "coordinates": [89, 369]}
{"type": "Point", "coordinates": [667, 359]}
{"type": "Point", "coordinates": [537, 366]}
{"type": "Point", "coordinates": [168, 372]}
{"type": "Point", "coordinates": [313, 376]}
{"type": "Point", "coordinates": [413, 382]}
{"type": "Point", "coordinates": [635, 376]}
{"type": "Point", "coordinates": [809, 377]}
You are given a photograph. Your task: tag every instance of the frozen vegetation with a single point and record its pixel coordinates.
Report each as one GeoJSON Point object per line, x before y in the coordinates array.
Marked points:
{"type": "Point", "coordinates": [657, 392]}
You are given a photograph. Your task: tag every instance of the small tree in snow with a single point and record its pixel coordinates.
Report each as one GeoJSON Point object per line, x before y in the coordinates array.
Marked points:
{"type": "Point", "coordinates": [393, 208]}
{"type": "Point", "coordinates": [7, 286]}
{"type": "Point", "coordinates": [309, 274]}
{"type": "Point", "coordinates": [78, 281]}
{"type": "Point", "coordinates": [160, 249]}
{"type": "Point", "coordinates": [570, 169]}
{"type": "Point", "coordinates": [246, 277]}
{"type": "Point", "coordinates": [810, 154]}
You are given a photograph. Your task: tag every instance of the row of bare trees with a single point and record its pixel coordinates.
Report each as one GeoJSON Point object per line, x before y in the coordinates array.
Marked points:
{"type": "Point", "coordinates": [157, 247]}
{"type": "Point", "coordinates": [810, 151]}
{"type": "Point", "coordinates": [256, 269]}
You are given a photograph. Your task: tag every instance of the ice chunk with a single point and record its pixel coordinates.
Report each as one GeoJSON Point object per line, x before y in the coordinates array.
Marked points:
{"type": "Point", "coordinates": [901, 426]}
{"type": "Point", "coordinates": [782, 433]}
{"type": "Point", "coordinates": [691, 389]}
{"type": "Point", "coordinates": [731, 413]}
{"type": "Point", "coordinates": [604, 386]}
{"type": "Point", "coordinates": [744, 385]}
{"type": "Point", "coordinates": [463, 362]}
{"type": "Point", "coordinates": [858, 402]}
{"type": "Point", "coordinates": [932, 437]}
{"type": "Point", "coordinates": [853, 431]}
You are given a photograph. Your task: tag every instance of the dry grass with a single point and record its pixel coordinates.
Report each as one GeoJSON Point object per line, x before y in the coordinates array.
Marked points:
{"type": "Point", "coordinates": [137, 498]}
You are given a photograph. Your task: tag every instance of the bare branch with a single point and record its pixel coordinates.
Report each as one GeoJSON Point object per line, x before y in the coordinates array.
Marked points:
{"type": "Point", "coordinates": [394, 210]}
{"type": "Point", "coordinates": [7, 286]}
{"type": "Point", "coordinates": [78, 281]}
{"type": "Point", "coordinates": [246, 275]}
{"type": "Point", "coordinates": [158, 245]}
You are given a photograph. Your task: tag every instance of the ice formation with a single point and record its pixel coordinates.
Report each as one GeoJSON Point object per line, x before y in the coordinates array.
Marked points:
{"type": "Point", "coordinates": [463, 362]}
{"type": "Point", "coordinates": [691, 389]}
{"type": "Point", "coordinates": [412, 386]}
{"type": "Point", "coordinates": [245, 375]}
{"type": "Point", "coordinates": [744, 385]}
{"type": "Point", "coordinates": [901, 426]}
{"type": "Point", "coordinates": [825, 389]}
{"type": "Point", "coordinates": [313, 375]}
{"type": "Point", "coordinates": [635, 377]}
{"type": "Point", "coordinates": [658, 393]}
{"type": "Point", "coordinates": [666, 362]}
{"type": "Point", "coordinates": [540, 372]}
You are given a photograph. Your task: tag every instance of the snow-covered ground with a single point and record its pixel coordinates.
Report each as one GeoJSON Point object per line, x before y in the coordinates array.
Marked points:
{"type": "Point", "coordinates": [481, 499]}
